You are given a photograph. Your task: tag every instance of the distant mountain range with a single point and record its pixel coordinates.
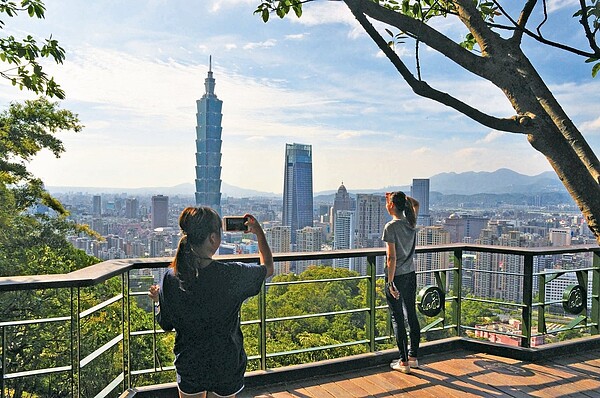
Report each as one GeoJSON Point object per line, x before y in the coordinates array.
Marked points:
{"type": "Point", "coordinates": [502, 181]}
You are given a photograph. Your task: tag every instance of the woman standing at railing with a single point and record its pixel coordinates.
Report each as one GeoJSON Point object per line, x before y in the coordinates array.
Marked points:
{"type": "Point", "coordinates": [201, 298]}
{"type": "Point", "coordinates": [400, 277]}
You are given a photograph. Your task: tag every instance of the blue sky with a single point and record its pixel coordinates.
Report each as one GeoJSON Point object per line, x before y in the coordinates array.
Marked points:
{"type": "Point", "coordinates": [135, 69]}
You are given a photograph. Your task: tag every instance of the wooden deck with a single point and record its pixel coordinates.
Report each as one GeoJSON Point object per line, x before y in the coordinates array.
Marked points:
{"type": "Point", "coordinates": [459, 374]}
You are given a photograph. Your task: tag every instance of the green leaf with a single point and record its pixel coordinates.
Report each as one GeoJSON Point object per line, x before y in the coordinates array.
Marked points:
{"type": "Point", "coordinates": [595, 69]}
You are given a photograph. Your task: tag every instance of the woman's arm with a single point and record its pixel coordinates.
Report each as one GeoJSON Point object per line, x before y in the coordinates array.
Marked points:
{"type": "Point", "coordinates": [390, 251]}
{"type": "Point", "coordinates": [264, 251]}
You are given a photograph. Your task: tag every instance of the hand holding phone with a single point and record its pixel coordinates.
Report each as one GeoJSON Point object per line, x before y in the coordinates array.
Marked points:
{"type": "Point", "coordinates": [235, 223]}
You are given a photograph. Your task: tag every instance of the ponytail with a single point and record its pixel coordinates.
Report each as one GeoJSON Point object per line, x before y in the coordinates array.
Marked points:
{"type": "Point", "coordinates": [196, 224]}
{"type": "Point", "coordinates": [404, 204]}
{"type": "Point", "coordinates": [409, 212]}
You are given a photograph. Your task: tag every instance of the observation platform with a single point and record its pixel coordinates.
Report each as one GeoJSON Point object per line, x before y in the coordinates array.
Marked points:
{"type": "Point", "coordinates": [456, 373]}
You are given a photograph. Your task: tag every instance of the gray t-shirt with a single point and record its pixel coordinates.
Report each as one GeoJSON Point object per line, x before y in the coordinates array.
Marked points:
{"type": "Point", "coordinates": [403, 236]}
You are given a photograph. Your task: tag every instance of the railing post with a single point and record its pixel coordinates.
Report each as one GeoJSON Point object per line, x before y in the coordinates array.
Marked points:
{"type": "Point", "coordinates": [3, 363]}
{"type": "Point", "coordinates": [595, 315]}
{"type": "Point", "coordinates": [541, 308]}
{"type": "Point", "coordinates": [527, 300]}
{"type": "Point", "coordinates": [126, 320]}
{"type": "Point", "coordinates": [457, 291]}
{"type": "Point", "coordinates": [371, 298]}
{"type": "Point", "coordinates": [75, 343]}
{"type": "Point", "coordinates": [262, 313]}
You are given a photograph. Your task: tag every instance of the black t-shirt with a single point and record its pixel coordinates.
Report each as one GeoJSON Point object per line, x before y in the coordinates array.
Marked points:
{"type": "Point", "coordinates": [206, 317]}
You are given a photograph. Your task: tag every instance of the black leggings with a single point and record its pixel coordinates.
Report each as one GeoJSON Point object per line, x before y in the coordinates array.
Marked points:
{"type": "Point", "coordinates": [404, 307]}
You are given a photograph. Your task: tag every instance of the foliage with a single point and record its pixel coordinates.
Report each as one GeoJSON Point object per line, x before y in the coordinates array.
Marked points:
{"type": "Point", "coordinates": [308, 333]}
{"type": "Point", "coordinates": [23, 55]}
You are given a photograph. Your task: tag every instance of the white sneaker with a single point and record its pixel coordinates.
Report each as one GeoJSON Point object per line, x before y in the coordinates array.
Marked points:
{"type": "Point", "coordinates": [400, 368]}
{"type": "Point", "coordinates": [413, 363]}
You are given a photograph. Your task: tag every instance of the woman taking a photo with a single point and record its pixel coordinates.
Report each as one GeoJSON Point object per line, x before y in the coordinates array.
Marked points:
{"type": "Point", "coordinates": [400, 237]}
{"type": "Point", "coordinates": [201, 299]}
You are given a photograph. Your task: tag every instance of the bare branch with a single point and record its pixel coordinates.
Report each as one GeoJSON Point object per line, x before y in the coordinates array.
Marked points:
{"type": "Point", "coordinates": [523, 18]}
{"type": "Point", "coordinates": [586, 27]}
{"type": "Point", "coordinates": [520, 28]}
{"type": "Point", "coordinates": [513, 125]}
{"type": "Point", "coordinates": [426, 34]}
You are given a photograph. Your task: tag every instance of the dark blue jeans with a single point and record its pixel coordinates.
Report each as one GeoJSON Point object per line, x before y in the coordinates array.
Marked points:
{"type": "Point", "coordinates": [405, 307]}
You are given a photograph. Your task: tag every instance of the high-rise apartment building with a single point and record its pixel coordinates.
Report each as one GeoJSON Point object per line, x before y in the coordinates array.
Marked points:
{"type": "Point", "coordinates": [344, 237]}
{"type": "Point", "coordinates": [297, 188]}
{"type": "Point", "coordinates": [465, 228]}
{"type": "Point", "coordinates": [208, 146]}
{"type": "Point", "coordinates": [431, 236]}
{"type": "Point", "coordinates": [420, 191]}
{"type": "Point", "coordinates": [341, 201]}
{"type": "Point", "coordinates": [279, 239]}
{"type": "Point", "coordinates": [371, 217]}
{"type": "Point", "coordinates": [160, 211]}
{"type": "Point", "coordinates": [97, 205]}
{"type": "Point", "coordinates": [309, 239]}
{"type": "Point", "coordinates": [132, 206]}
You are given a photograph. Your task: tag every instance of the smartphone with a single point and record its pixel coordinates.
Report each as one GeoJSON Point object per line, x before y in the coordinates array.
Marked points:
{"type": "Point", "coordinates": [231, 223]}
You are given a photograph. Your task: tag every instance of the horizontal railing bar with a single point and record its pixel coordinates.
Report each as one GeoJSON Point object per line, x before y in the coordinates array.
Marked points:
{"type": "Point", "coordinates": [152, 370]}
{"type": "Point", "coordinates": [37, 372]}
{"type": "Point", "coordinates": [563, 271]}
{"type": "Point", "coordinates": [313, 349]}
{"type": "Point", "coordinates": [485, 271]}
{"type": "Point", "coordinates": [348, 278]}
{"type": "Point", "coordinates": [100, 272]}
{"type": "Point", "coordinates": [495, 302]}
{"type": "Point", "coordinates": [85, 361]}
{"type": "Point", "coordinates": [35, 321]}
{"type": "Point", "coordinates": [146, 332]}
{"type": "Point", "coordinates": [111, 386]}
{"type": "Point", "coordinates": [493, 331]}
{"type": "Point", "coordinates": [97, 307]}
{"type": "Point", "coordinates": [290, 318]}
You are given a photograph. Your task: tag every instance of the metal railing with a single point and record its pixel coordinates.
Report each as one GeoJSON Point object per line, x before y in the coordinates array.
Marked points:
{"type": "Point", "coordinates": [85, 327]}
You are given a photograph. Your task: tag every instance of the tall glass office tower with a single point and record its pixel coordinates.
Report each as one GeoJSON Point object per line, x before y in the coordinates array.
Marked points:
{"type": "Point", "coordinates": [297, 188]}
{"type": "Point", "coordinates": [208, 146]}
{"type": "Point", "coordinates": [420, 191]}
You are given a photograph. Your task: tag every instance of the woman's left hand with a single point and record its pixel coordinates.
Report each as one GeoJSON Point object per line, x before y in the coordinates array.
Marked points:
{"type": "Point", "coordinates": [153, 292]}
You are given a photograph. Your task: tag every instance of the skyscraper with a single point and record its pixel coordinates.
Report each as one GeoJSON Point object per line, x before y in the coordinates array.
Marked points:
{"type": "Point", "coordinates": [208, 146]}
{"type": "Point", "coordinates": [343, 237]}
{"type": "Point", "coordinates": [297, 188]}
{"type": "Point", "coordinates": [160, 211]}
{"type": "Point", "coordinates": [342, 201]}
{"type": "Point", "coordinates": [371, 216]}
{"type": "Point", "coordinates": [97, 205]}
{"type": "Point", "coordinates": [420, 191]}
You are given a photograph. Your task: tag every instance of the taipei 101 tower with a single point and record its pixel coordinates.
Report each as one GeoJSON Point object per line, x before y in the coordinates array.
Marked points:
{"type": "Point", "coordinates": [208, 146]}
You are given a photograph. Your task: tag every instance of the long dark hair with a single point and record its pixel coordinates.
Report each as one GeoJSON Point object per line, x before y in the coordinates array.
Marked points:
{"type": "Point", "coordinates": [403, 204]}
{"type": "Point", "coordinates": [196, 224]}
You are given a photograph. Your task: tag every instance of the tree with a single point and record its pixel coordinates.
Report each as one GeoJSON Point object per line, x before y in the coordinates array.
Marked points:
{"type": "Point", "coordinates": [23, 55]}
{"type": "Point", "coordinates": [492, 50]}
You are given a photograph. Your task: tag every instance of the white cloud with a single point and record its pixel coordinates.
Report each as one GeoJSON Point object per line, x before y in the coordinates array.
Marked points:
{"type": "Point", "coordinates": [555, 5]}
{"type": "Point", "coordinates": [298, 36]}
{"type": "Point", "coordinates": [264, 44]}
{"type": "Point", "coordinates": [491, 137]}
{"type": "Point", "coordinates": [592, 126]}
{"type": "Point", "coordinates": [327, 12]}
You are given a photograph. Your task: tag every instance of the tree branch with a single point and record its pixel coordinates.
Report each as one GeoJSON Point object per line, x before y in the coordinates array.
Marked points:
{"type": "Point", "coordinates": [513, 125]}
{"type": "Point", "coordinates": [520, 28]}
{"type": "Point", "coordinates": [417, 29]}
{"type": "Point", "coordinates": [523, 18]}
{"type": "Point", "coordinates": [586, 27]}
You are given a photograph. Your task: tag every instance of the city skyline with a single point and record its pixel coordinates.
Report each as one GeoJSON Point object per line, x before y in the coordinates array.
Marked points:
{"type": "Point", "coordinates": [133, 73]}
